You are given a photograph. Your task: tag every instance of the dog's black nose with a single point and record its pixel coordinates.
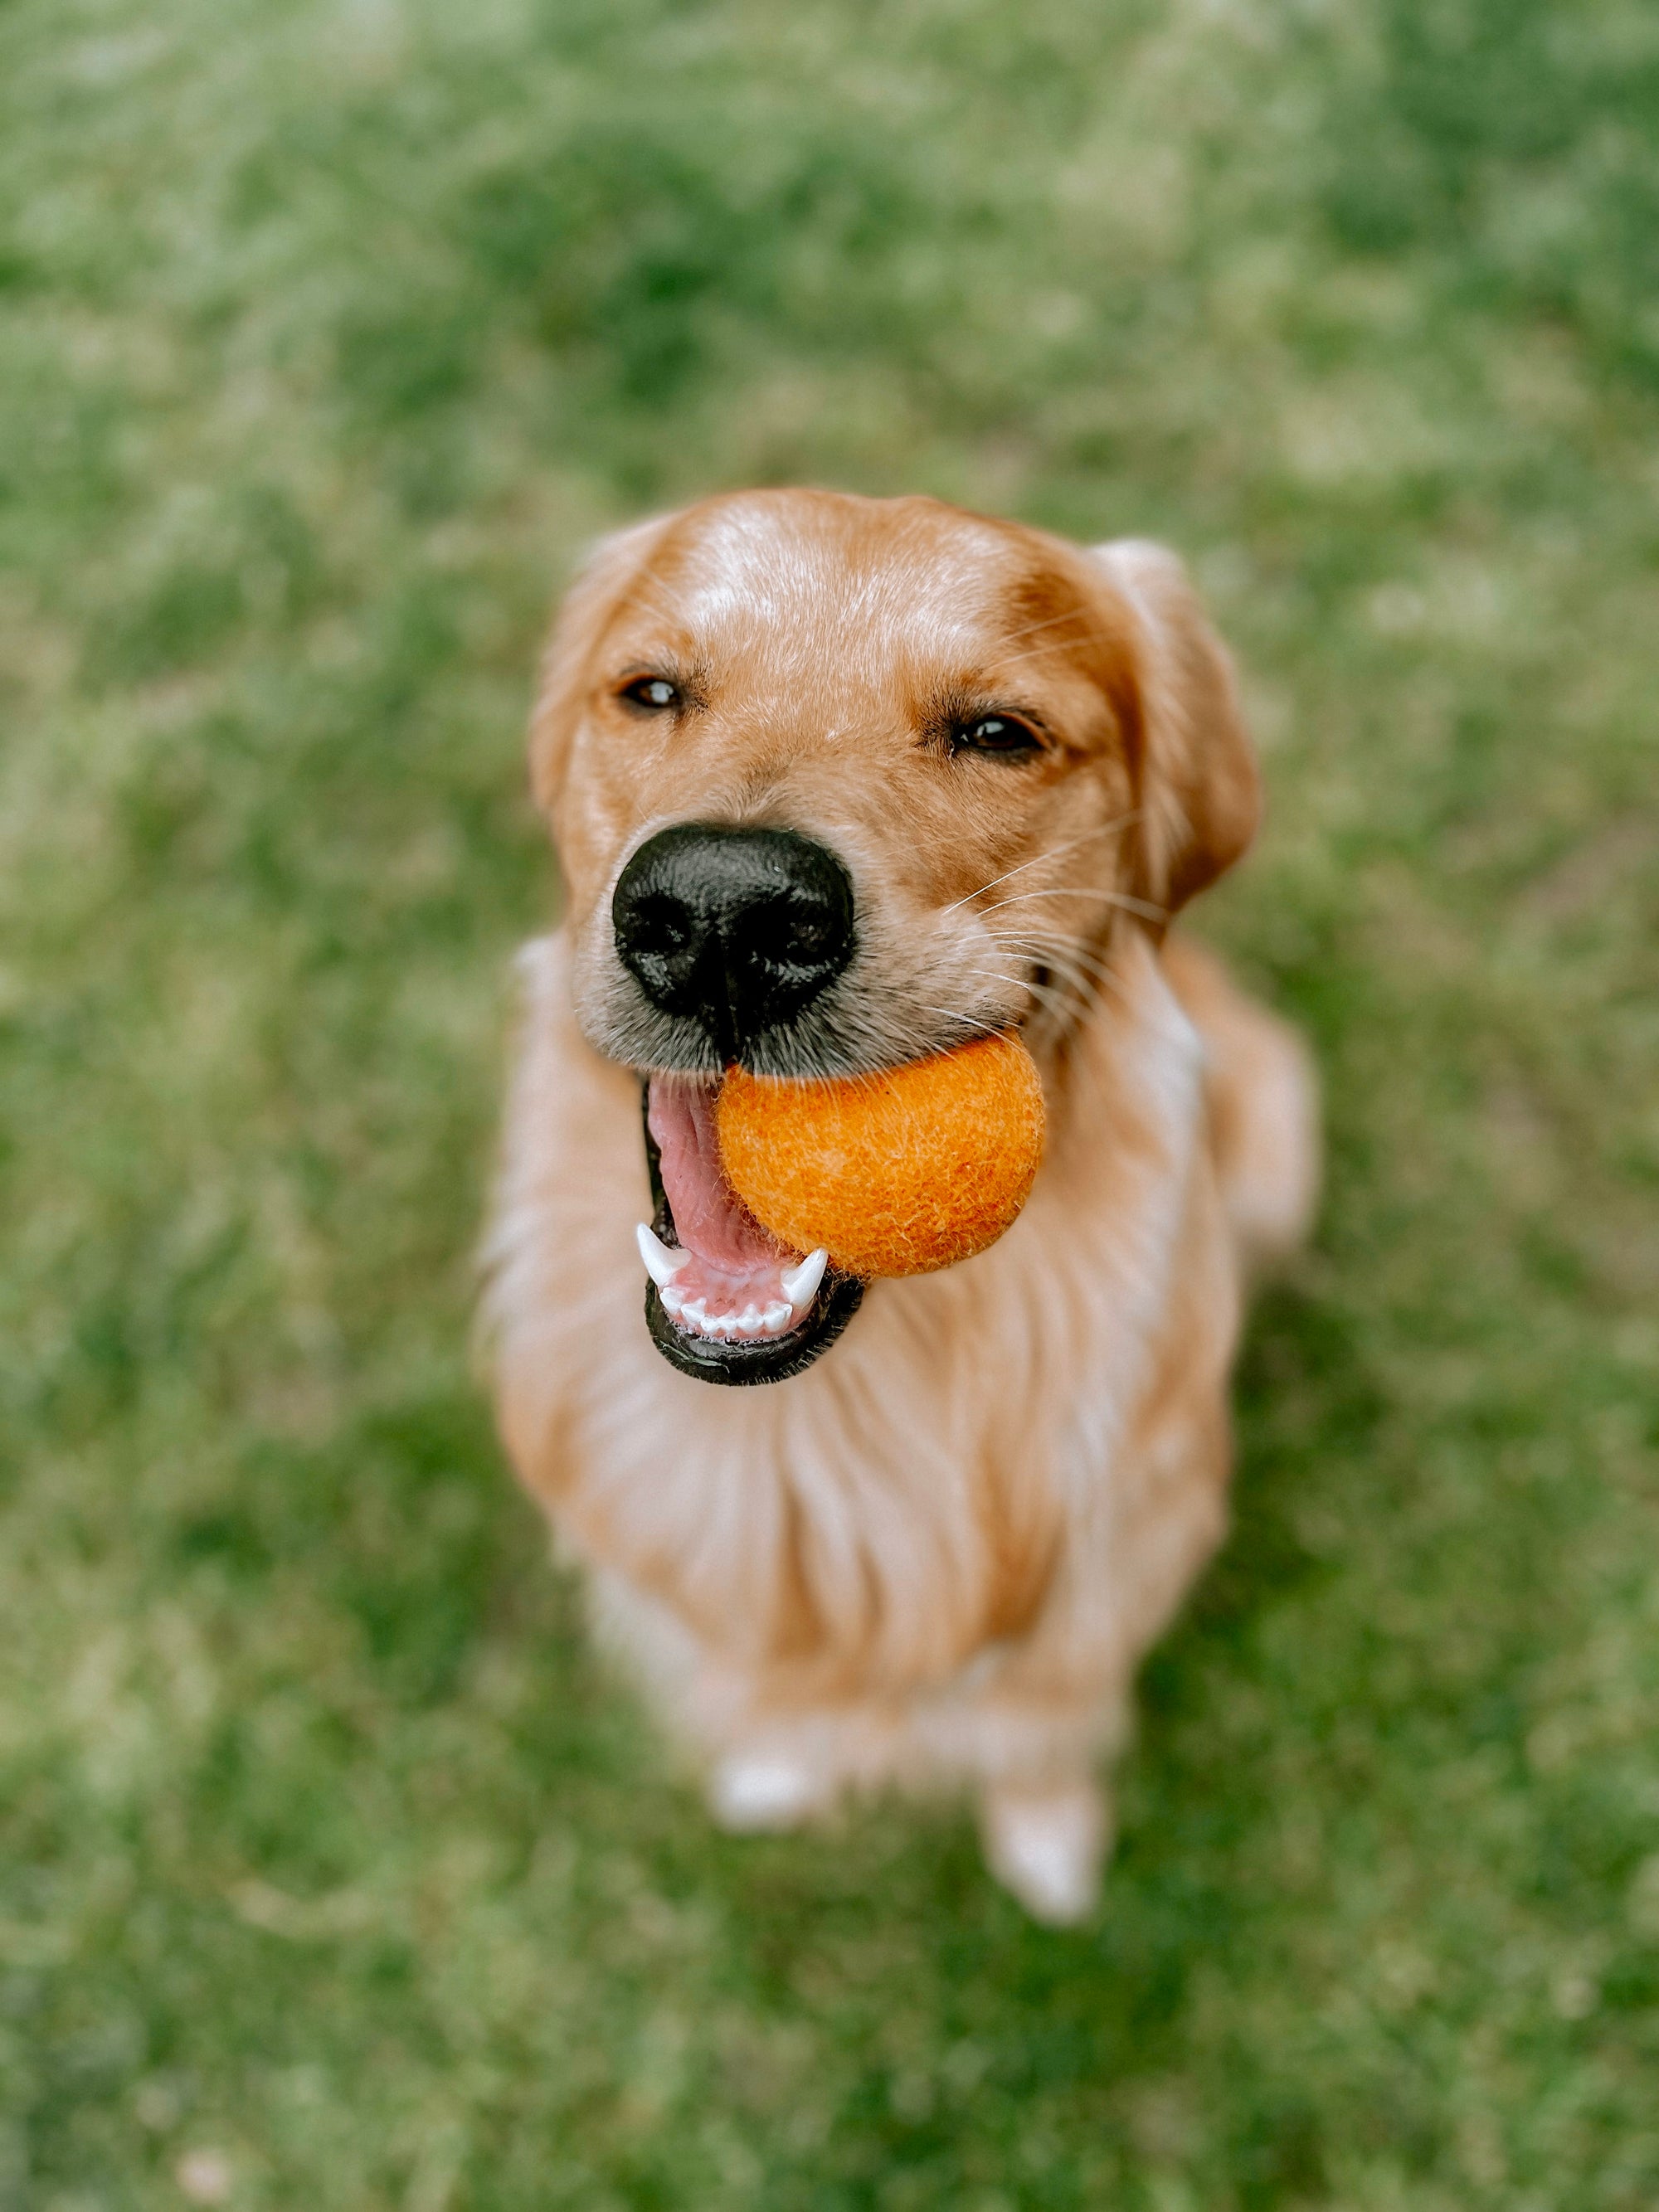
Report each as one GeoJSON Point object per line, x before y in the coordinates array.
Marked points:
{"type": "Point", "coordinates": [738, 929]}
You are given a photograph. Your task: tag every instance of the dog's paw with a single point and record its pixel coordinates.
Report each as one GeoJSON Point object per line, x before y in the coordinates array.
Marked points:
{"type": "Point", "coordinates": [752, 1794]}
{"type": "Point", "coordinates": [1047, 1847]}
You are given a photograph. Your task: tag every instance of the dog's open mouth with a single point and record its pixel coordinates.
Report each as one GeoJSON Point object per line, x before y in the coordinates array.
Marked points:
{"type": "Point", "coordinates": [725, 1302]}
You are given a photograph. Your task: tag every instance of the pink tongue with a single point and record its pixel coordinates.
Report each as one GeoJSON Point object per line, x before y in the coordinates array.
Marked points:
{"type": "Point", "coordinates": [709, 1218]}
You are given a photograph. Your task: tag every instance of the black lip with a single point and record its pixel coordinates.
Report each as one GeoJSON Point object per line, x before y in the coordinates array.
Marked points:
{"type": "Point", "coordinates": [707, 1359]}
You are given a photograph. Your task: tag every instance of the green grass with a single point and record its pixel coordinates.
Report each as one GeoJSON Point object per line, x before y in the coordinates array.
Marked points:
{"type": "Point", "coordinates": [335, 1873]}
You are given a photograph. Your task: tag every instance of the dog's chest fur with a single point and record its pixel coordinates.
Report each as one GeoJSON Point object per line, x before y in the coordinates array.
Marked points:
{"type": "Point", "coordinates": [871, 1525]}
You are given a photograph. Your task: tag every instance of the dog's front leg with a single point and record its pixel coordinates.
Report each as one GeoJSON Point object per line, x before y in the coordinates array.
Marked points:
{"type": "Point", "coordinates": [1046, 1843]}
{"type": "Point", "coordinates": [767, 1790]}
{"type": "Point", "coordinates": [776, 1770]}
{"type": "Point", "coordinates": [1046, 1830]}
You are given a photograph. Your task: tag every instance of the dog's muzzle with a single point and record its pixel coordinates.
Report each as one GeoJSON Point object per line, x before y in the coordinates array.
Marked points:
{"type": "Point", "coordinates": [738, 931]}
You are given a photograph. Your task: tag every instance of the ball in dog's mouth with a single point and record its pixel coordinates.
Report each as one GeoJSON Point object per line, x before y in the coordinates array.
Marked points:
{"type": "Point", "coordinates": [897, 1172]}
{"type": "Point", "coordinates": [726, 1301]}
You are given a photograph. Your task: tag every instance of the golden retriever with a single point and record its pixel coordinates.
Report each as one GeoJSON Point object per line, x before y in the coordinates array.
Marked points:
{"type": "Point", "coordinates": [837, 782]}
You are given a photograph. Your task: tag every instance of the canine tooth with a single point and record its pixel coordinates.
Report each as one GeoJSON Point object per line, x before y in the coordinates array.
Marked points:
{"type": "Point", "coordinates": [660, 1264]}
{"type": "Point", "coordinates": [800, 1285]}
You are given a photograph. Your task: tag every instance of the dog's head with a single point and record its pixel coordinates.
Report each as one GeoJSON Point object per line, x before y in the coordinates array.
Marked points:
{"type": "Point", "coordinates": [839, 782]}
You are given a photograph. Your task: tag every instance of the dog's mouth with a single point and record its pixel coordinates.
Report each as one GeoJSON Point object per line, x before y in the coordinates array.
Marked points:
{"type": "Point", "coordinates": [724, 1301]}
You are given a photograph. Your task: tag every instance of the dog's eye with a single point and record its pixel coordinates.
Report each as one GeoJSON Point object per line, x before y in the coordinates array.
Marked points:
{"type": "Point", "coordinates": [995, 734]}
{"type": "Point", "coordinates": [655, 693]}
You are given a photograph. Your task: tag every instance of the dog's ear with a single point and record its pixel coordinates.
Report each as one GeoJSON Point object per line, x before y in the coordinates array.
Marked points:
{"type": "Point", "coordinates": [1196, 784]}
{"type": "Point", "coordinates": [600, 588]}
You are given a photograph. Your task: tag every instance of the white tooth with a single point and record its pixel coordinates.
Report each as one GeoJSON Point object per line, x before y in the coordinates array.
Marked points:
{"type": "Point", "coordinates": [800, 1285]}
{"type": "Point", "coordinates": [750, 1317]}
{"type": "Point", "coordinates": [776, 1315]}
{"type": "Point", "coordinates": [696, 1312]}
{"type": "Point", "coordinates": [672, 1300]}
{"type": "Point", "coordinates": [660, 1264]}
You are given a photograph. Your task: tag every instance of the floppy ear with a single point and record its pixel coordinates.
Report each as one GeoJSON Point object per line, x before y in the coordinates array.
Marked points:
{"type": "Point", "coordinates": [1197, 787]}
{"type": "Point", "coordinates": [599, 590]}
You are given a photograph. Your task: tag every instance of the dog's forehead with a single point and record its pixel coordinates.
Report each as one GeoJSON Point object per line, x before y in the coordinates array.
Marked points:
{"type": "Point", "coordinates": [863, 580]}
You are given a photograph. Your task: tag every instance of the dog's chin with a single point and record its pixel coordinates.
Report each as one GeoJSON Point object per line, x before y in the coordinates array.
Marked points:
{"type": "Point", "coordinates": [736, 1360]}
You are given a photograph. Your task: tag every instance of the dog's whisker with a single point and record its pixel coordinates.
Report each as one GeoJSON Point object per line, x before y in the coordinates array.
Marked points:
{"type": "Point", "coordinates": [1086, 981]}
{"type": "Point", "coordinates": [1049, 622]}
{"type": "Point", "coordinates": [1030, 932]}
{"type": "Point", "coordinates": [1063, 1003]}
{"type": "Point", "coordinates": [1022, 936]}
{"type": "Point", "coordinates": [1050, 854]}
{"type": "Point", "coordinates": [1143, 907]}
{"type": "Point", "coordinates": [1016, 660]}
{"type": "Point", "coordinates": [1082, 968]}
{"type": "Point", "coordinates": [1016, 981]}
{"type": "Point", "coordinates": [1071, 992]}
{"type": "Point", "coordinates": [1057, 950]}
{"type": "Point", "coordinates": [968, 1021]}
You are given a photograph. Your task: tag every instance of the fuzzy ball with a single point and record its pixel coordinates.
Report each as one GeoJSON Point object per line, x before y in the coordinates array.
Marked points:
{"type": "Point", "coordinates": [895, 1173]}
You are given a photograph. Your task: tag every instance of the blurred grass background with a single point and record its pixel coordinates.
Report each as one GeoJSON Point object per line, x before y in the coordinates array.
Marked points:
{"type": "Point", "coordinates": [335, 1874]}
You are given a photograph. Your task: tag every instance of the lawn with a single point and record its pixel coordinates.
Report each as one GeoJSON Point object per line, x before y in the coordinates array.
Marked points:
{"type": "Point", "coordinates": [335, 1873]}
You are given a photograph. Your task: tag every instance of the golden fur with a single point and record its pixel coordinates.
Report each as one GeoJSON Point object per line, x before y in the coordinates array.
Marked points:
{"type": "Point", "coordinates": [940, 1552]}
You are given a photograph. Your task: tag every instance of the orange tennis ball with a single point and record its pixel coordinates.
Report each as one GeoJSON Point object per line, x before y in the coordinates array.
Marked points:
{"type": "Point", "coordinates": [894, 1174]}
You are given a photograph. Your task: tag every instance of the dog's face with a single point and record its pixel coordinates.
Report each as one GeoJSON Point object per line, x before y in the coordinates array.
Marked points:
{"type": "Point", "coordinates": [838, 783]}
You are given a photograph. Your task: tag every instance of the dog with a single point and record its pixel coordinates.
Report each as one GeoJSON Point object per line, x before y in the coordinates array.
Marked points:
{"type": "Point", "coordinates": [837, 783]}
